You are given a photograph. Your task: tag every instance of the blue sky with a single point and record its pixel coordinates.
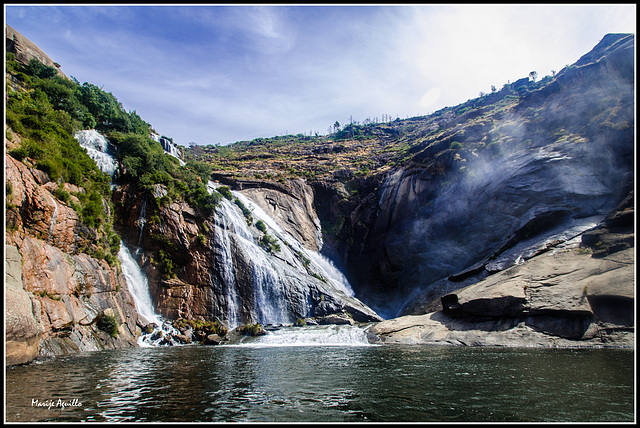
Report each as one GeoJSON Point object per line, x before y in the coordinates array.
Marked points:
{"type": "Point", "coordinates": [219, 74]}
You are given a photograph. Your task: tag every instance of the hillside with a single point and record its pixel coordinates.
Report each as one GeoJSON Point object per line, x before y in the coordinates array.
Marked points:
{"type": "Point", "coordinates": [436, 217]}
{"type": "Point", "coordinates": [466, 184]}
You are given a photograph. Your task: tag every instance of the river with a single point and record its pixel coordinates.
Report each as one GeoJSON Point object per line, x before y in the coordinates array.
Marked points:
{"type": "Point", "coordinates": [264, 382]}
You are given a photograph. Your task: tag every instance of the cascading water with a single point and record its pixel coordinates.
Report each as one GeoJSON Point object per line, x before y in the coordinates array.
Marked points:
{"type": "Point", "coordinates": [270, 272]}
{"type": "Point", "coordinates": [320, 335]}
{"type": "Point", "coordinates": [139, 289]}
{"type": "Point", "coordinates": [168, 147]}
{"type": "Point", "coordinates": [222, 236]}
{"type": "Point", "coordinates": [270, 305]}
{"type": "Point", "coordinates": [140, 223]}
{"type": "Point", "coordinates": [322, 265]}
{"type": "Point", "coordinates": [54, 218]}
{"type": "Point", "coordinates": [98, 149]}
{"type": "Point", "coordinates": [292, 264]}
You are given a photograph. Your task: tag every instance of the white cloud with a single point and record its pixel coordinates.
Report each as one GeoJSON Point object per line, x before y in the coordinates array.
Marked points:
{"type": "Point", "coordinates": [222, 74]}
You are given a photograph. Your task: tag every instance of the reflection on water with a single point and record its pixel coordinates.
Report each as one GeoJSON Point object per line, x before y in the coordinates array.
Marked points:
{"type": "Point", "coordinates": [288, 384]}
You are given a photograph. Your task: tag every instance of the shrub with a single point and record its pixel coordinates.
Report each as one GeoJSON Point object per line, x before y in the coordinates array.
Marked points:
{"type": "Point", "coordinates": [455, 145]}
{"type": "Point", "coordinates": [270, 243]}
{"type": "Point", "coordinates": [202, 239]}
{"type": "Point", "coordinates": [246, 211]}
{"type": "Point", "coordinates": [261, 226]}
{"type": "Point", "coordinates": [226, 192]}
{"type": "Point", "coordinates": [50, 167]}
{"type": "Point", "coordinates": [61, 194]}
{"type": "Point", "coordinates": [208, 327]}
{"type": "Point", "coordinates": [108, 323]}
{"type": "Point", "coordinates": [18, 153]}
{"type": "Point", "coordinates": [165, 264]}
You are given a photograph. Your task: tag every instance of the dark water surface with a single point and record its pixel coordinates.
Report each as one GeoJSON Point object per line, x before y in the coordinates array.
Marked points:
{"type": "Point", "coordinates": [327, 384]}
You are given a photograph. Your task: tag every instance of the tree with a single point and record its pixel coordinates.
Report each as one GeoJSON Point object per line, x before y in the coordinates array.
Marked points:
{"type": "Point", "coordinates": [336, 126]}
{"type": "Point", "coordinates": [533, 75]}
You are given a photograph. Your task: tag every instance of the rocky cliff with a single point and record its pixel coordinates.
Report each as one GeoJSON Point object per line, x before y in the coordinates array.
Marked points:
{"type": "Point", "coordinates": [59, 300]}
{"type": "Point", "coordinates": [465, 224]}
{"type": "Point", "coordinates": [25, 49]}
{"type": "Point", "coordinates": [580, 294]}
{"type": "Point", "coordinates": [221, 271]}
{"type": "Point", "coordinates": [532, 171]}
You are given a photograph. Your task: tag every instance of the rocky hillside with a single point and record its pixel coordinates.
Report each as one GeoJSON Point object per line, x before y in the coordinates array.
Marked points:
{"type": "Point", "coordinates": [504, 220]}
{"type": "Point", "coordinates": [580, 294]}
{"type": "Point", "coordinates": [64, 290]}
{"type": "Point", "coordinates": [59, 299]}
{"type": "Point", "coordinates": [206, 257]}
{"type": "Point", "coordinates": [464, 192]}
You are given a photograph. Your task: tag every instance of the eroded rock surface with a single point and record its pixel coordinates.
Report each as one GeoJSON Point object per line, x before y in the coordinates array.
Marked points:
{"type": "Point", "coordinates": [55, 292]}
{"type": "Point", "coordinates": [571, 297]}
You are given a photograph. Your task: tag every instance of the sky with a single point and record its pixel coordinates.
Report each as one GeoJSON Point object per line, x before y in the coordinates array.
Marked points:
{"type": "Point", "coordinates": [217, 74]}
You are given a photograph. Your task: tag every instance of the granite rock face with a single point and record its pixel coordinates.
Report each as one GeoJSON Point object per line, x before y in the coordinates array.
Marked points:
{"type": "Point", "coordinates": [25, 50]}
{"type": "Point", "coordinates": [56, 293]}
{"type": "Point", "coordinates": [293, 209]}
{"type": "Point", "coordinates": [572, 296]}
{"type": "Point", "coordinates": [23, 329]}
{"type": "Point", "coordinates": [222, 268]}
{"type": "Point", "coordinates": [542, 171]}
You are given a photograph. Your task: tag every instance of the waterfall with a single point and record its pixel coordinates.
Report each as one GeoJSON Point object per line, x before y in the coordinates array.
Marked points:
{"type": "Point", "coordinates": [98, 149]}
{"type": "Point", "coordinates": [140, 222]}
{"type": "Point", "coordinates": [222, 235]}
{"type": "Point", "coordinates": [270, 272]}
{"type": "Point", "coordinates": [270, 302]}
{"type": "Point", "coordinates": [54, 218]}
{"type": "Point", "coordinates": [320, 263]}
{"type": "Point", "coordinates": [333, 273]}
{"type": "Point", "coordinates": [168, 147]}
{"type": "Point", "coordinates": [139, 289]}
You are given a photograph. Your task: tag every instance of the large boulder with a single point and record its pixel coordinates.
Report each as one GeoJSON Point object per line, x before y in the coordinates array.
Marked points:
{"type": "Point", "coordinates": [564, 299]}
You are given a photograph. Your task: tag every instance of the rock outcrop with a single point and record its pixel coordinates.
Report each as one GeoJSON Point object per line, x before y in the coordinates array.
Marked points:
{"type": "Point", "coordinates": [56, 293]}
{"type": "Point", "coordinates": [25, 50]}
{"type": "Point", "coordinates": [222, 268]}
{"type": "Point", "coordinates": [574, 296]}
{"type": "Point", "coordinates": [542, 169]}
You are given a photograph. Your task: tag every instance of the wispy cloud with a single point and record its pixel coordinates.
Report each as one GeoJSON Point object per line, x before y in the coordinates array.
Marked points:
{"type": "Point", "coordinates": [212, 74]}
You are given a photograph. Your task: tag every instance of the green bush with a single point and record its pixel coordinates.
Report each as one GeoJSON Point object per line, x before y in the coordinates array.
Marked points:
{"type": "Point", "coordinates": [108, 324]}
{"type": "Point", "coordinates": [455, 145]}
{"type": "Point", "coordinates": [62, 194]}
{"type": "Point", "coordinates": [261, 226]}
{"type": "Point", "coordinates": [207, 327]}
{"type": "Point", "coordinates": [270, 243]}
{"type": "Point", "coordinates": [166, 264]}
{"type": "Point", "coordinates": [245, 211]}
{"type": "Point", "coordinates": [202, 239]}
{"type": "Point", "coordinates": [226, 192]}
{"type": "Point", "coordinates": [50, 167]}
{"type": "Point", "coordinates": [18, 153]}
